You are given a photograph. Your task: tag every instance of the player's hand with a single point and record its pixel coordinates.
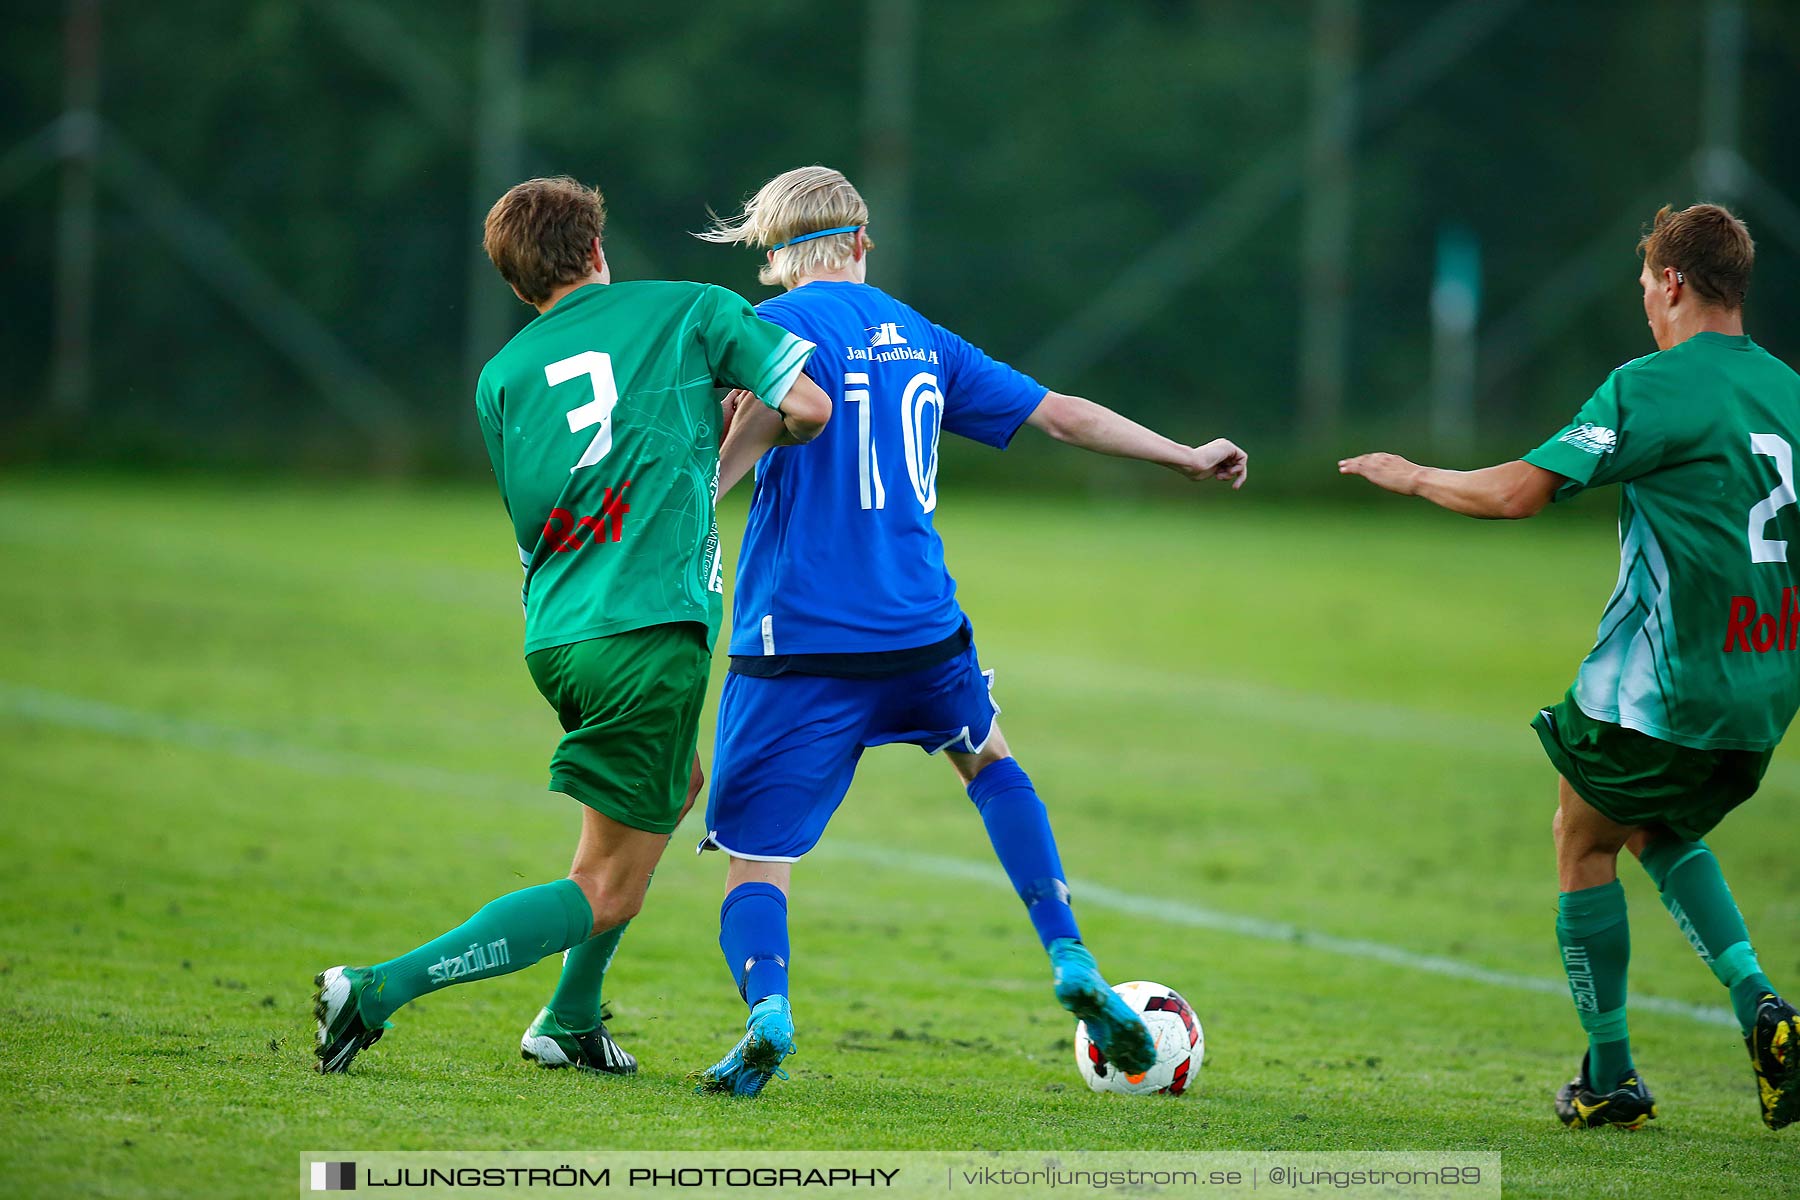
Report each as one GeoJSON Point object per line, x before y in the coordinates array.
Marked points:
{"type": "Point", "coordinates": [728, 408]}
{"type": "Point", "coordinates": [1389, 472]}
{"type": "Point", "coordinates": [1218, 459]}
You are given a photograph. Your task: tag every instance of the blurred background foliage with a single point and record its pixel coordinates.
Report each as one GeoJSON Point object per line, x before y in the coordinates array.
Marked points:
{"type": "Point", "coordinates": [1117, 197]}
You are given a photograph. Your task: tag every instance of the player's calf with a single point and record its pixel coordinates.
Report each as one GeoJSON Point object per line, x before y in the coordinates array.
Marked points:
{"type": "Point", "coordinates": [1018, 827]}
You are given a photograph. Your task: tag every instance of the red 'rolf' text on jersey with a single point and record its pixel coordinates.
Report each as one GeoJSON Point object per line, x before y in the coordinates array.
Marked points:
{"type": "Point", "coordinates": [1754, 632]}
{"type": "Point", "coordinates": [566, 532]}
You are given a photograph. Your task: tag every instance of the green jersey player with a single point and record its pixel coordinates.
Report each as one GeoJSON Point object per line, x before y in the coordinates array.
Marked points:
{"type": "Point", "coordinates": [1695, 672]}
{"type": "Point", "coordinates": [601, 421]}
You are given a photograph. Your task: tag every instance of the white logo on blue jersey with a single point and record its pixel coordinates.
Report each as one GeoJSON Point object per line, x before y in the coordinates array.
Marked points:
{"type": "Point", "coordinates": [839, 554]}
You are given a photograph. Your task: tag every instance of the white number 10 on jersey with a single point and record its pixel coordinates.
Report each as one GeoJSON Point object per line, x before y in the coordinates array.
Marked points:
{"type": "Point", "coordinates": [921, 417]}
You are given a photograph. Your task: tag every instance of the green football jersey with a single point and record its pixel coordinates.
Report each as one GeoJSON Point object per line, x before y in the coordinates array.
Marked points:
{"type": "Point", "coordinates": [1700, 644]}
{"type": "Point", "coordinates": [603, 427]}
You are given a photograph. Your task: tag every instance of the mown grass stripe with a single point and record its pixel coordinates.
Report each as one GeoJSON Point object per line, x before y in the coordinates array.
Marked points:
{"type": "Point", "coordinates": [74, 712]}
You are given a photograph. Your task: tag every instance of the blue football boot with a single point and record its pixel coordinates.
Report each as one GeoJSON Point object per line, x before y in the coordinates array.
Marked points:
{"type": "Point", "coordinates": [756, 1058]}
{"type": "Point", "coordinates": [1118, 1032]}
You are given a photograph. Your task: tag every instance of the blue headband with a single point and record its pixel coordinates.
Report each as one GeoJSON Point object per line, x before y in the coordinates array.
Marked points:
{"type": "Point", "coordinates": [807, 237]}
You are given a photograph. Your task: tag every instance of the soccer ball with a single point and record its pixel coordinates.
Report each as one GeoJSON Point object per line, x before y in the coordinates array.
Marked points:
{"type": "Point", "coordinates": [1180, 1044]}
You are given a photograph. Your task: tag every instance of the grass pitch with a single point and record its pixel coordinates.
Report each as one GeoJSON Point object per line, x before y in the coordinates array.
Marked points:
{"type": "Point", "coordinates": [250, 731]}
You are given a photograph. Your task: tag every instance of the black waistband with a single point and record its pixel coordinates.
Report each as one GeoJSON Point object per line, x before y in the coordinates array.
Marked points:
{"type": "Point", "coordinates": [878, 664]}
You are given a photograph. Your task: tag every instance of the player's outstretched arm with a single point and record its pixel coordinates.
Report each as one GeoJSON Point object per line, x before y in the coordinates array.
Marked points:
{"type": "Point", "coordinates": [1508, 492]}
{"type": "Point", "coordinates": [1078, 422]}
{"type": "Point", "coordinates": [752, 427]}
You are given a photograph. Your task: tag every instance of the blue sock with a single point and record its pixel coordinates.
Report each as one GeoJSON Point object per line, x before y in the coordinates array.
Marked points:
{"type": "Point", "coordinates": [753, 934]}
{"type": "Point", "coordinates": [1019, 827]}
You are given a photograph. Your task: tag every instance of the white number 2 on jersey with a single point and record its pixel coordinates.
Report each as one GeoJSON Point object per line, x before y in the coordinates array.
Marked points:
{"type": "Point", "coordinates": [598, 411]}
{"type": "Point", "coordinates": [1763, 550]}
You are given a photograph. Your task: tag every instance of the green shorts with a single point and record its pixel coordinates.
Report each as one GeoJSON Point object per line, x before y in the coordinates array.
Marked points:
{"type": "Point", "coordinates": [1635, 779]}
{"type": "Point", "coordinates": [630, 705]}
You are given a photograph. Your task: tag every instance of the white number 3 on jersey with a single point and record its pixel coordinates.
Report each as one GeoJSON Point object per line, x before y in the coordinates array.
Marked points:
{"type": "Point", "coordinates": [598, 411]}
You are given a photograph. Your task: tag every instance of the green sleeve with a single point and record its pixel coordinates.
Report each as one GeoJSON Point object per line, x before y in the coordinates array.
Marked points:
{"type": "Point", "coordinates": [1615, 438]}
{"type": "Point", "coordinates": [488, 415]}
{"type": "Point", "coordinates": [745, 351]}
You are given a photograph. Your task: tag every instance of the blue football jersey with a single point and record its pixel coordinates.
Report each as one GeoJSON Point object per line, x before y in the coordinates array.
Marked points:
{"type": "Point", "coordinates": [840, 555]}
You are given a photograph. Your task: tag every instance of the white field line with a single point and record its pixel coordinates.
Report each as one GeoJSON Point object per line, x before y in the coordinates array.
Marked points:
{"type": "Point", "coordinates": [1357, 719]}
{"type": "Point", "coordinates": [1193, 916]}
{"type": "Point", "coordinates": [72, 712]}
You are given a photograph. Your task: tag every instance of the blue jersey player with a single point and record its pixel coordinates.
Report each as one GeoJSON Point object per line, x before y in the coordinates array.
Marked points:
{"type": "Point", "coordinates": [847, 633]}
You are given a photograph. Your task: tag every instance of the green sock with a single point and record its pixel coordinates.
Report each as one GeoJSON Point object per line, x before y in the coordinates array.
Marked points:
{"type": "Point", "coordinates": [508, 934]}
{"type": "Point", "coordinates": [1694, 892]}
{"type": "Point", "coordinates": [576, 1001]}
{"type": "Point", "coordinates": [1596, 951]}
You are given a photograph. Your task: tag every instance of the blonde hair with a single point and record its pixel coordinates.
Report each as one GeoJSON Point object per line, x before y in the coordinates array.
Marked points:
{"type": "Point", "coordinates": [793, 204]}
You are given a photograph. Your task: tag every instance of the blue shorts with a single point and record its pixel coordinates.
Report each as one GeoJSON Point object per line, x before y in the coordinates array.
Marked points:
{"type": "Point", "coordinates": [788, 746]}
